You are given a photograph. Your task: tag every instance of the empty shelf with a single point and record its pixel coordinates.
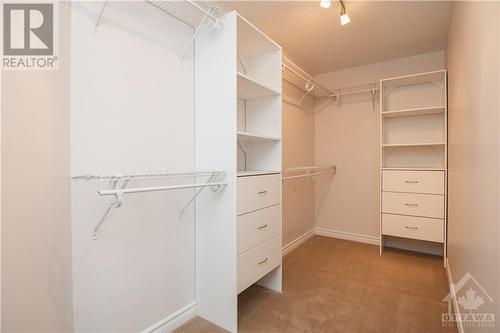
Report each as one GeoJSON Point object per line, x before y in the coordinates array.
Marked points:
{"type": "Point", "coordinates": [248, 88]}
{"type": "Point", "coordinates": [246, 137]}
{"type": "Point", "coordinates": [415, 79]}
{"type": "Point", "coordinates": [244, 173]}
{"type": "Point", "coordinates": [414, 112]}
{"type": "Point", "coordinates": [413, 144]}
{"type": "Point", "coordinates": [415, 169]}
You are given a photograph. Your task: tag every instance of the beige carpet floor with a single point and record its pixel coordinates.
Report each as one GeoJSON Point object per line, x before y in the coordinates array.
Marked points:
{"type": "Point", "coordinates": [332, 285]}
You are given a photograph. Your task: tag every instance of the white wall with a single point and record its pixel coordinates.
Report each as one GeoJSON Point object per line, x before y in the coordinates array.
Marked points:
{"type": "Point", "coordinates": [298, 150]}
{"type": "Point", "coordinates": [347, 134]}
{"type": "Point", "coordinates": [473, 61]}
{"type": "Point", "coordinates": [132, 111]}
{"type": "Point", "coordinates": [36, 228]}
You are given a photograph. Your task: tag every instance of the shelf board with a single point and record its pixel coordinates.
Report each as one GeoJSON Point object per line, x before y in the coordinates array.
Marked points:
{"type": "Point", "coordinates": [245, 173]}
{"type": "Point", "coordinates": [413, 144]}
{"type": "Point", "coordinates": [248, 88]}
{"type": "Point", "coordinates": [250, 137]}
{"type": "Point", "coordinates": [416, 169]}
{"type": "Point", "coordinates": [414, 112]}
{"type": "Point", "coordinates": [409, 80]}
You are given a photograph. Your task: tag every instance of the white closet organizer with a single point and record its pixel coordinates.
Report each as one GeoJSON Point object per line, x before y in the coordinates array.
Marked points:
{"type": "Point", "coordinates": [238, 129]}
{"type": "Point", "coordinates": [413, 157]}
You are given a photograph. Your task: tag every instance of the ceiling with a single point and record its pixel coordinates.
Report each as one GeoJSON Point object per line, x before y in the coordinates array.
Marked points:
{"type": "Point", "coordinates": [379, 30]}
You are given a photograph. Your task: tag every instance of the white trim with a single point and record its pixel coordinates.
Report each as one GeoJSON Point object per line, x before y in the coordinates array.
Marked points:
{"type": "Point", "coordinates": [297, 242]}
{"type": "Point", "coordinates": [174, 321]}
{"type": "Point", "coordinates": [453, 294]}
{"type": "Point", "coordinates": [347, 236]}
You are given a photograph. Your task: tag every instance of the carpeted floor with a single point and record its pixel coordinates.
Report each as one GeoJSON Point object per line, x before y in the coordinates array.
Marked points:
{"type": "Point", "coordinates": [332, 285]}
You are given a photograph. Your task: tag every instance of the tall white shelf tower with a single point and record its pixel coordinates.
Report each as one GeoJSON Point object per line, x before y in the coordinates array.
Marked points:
{"type": "Point", "coordinates": [238, 130]}
{"type": "Point", "coordinates": [413, 155]}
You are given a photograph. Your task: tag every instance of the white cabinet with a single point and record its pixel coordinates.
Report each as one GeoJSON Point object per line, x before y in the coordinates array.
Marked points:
{"type": "Point", "coordinates": [257, 227]}
{"type": "Point", "coordinates": [257, 192]}
{"type": "Point", "coordinates": [413, 204]}
{"type": "Point", "coordinates": [413, 227]}
{"type": "Point", "coordinates": [413, 159]}
{"type": "Point", "coordinates": [430, 182]}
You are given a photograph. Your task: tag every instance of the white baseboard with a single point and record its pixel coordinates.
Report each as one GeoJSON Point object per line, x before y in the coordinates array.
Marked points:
{"type": "Point", "coordinates": [297, 242]}
{"type": "Point", "coordinates": [174, 321]}
{"type": "Point", "coordinates": [347, 236]}
{"type": "Point", "coordinates": [453, 294]}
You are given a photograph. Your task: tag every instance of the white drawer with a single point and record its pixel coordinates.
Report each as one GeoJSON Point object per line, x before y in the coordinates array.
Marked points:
{"type": "Point", "coordinates": [413, 227]}
{"type": "Point", "coordinates": [428, 205]}
{"type": "Point", "coordinates": [257, 262]}
{"type": "Point", "coordinates": [413, 181]}
{"type": "Point", "coordinates": [257, 227]}
{"type": "Point", "coordinates": [256, 192]}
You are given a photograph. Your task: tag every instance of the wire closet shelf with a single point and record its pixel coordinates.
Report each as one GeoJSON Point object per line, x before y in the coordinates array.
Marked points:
{"type": "Point", "coordinates": [118, 188]}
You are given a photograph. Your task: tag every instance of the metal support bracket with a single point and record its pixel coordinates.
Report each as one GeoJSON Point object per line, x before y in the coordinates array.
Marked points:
{"type": "Point", "coordinates": [99, 18]}
{"type": "Point", "coordinates": [216, 188]}
{"type": "Point", "coordinates": [212, 27]}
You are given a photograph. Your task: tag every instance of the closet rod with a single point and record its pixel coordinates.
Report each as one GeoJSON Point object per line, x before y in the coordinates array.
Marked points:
{"type": "Point", "coordinates": [346, 93]}
{"type": "Point", "coordinates": [300, 76]}
{"type": "Point", "coordinates": [308, 175]}
{"type": "Point", "coordinates": [117, 192]}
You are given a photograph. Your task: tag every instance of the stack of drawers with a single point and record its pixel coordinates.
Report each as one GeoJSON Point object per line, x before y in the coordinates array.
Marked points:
{"type": "Point", "coordinates": [258, 227]}
{"type": "Point", "coordinates": [413, 204]}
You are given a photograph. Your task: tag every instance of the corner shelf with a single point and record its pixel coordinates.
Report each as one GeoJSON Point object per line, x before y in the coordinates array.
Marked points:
{"type": "Point", "coordinates": [415, 169]}
{"type": "Point", "coordinates": [250, 137]}
{"type": "Point", "coordinates": [246, 173]}
{"type": "Point", "coordinates": [395, 145]}
{"type": "Point", "coordinates": [249, 88]}
{"type": "Point", "coordinates": [414, 112]}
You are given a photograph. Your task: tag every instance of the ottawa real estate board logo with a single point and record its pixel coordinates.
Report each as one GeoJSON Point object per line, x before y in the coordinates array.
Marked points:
{"type": "Point", "coordinates": [30, 39]}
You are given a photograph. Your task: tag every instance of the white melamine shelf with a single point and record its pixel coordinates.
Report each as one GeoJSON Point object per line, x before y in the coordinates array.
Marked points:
{"type": "Point", "coordinates": [415, 169]}
{"type": "Point", "coordinates": [245, 173]}
{"type": "Point", "coordinates": [248, 88]}
{"type": "Point", "coordinates": [409, 80]}
{"type": "Point", "coordinates": [250, 137]}
{"type": "Point", "coordinates": [413, 144]}
{"type": "Point", "coordinates": [414, 112]}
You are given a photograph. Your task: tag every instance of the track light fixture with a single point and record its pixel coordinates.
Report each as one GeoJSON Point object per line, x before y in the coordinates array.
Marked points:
{"type": "Point", "coordinates": [325, 3]}
{"type": "Point", "coordinates": [344, 18]}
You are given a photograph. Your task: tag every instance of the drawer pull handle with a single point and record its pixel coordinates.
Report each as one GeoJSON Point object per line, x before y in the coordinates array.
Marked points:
{"type": "Point", "coordinates": [411, 181]}
{"type": "Point", "coordinates": [263, 261]}
{"type": "Point", "coordinates": [411, 204]}
{"type": "Point", "coordinates": [262, 227]}
{"type": "Point", "coordinates": [262, 192]}
{"type": "Point", "coordinates": [411, 228]}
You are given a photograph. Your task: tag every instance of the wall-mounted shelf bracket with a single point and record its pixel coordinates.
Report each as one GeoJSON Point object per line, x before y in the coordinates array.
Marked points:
{"type": "Point", "coordinates": [99, 18]}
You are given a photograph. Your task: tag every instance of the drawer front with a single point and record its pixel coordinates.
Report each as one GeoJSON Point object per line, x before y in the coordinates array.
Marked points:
{"type": "Point", "coordinates": [257, 262]}
{"type": "Point", "coordinates": [413, 227]}
{"type": "Point", "coordinates": [413, 181]}
{"type": "Point", "coordinates": [257, 192]}
{"type": "Point", "coordinates": [257, 227]}
{"type": "Point", "coordinates": [426, 205]}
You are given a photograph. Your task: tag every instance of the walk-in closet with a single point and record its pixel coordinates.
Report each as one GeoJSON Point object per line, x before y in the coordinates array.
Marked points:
{"type": "Point", "coordinates": [250, 166]}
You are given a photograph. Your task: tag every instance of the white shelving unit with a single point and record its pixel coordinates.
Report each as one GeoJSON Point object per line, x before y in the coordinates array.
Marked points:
{"type": "Point", "coordinates": [238, 129]}
{"type": "Point", "coordinates": [413, 157]}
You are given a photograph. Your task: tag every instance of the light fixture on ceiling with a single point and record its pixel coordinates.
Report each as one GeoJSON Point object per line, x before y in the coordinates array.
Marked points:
{"type": "Point", "coordinates": [344, 18]}
{"type": "Point", "coordinates": [325, 3]}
